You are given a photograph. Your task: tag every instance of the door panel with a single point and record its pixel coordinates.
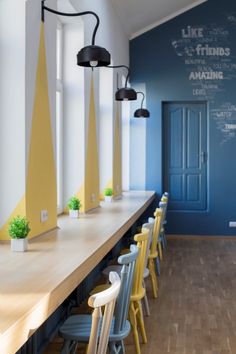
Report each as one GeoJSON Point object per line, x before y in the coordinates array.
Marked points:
{"type": "Point", "coordinates": [193, 192]}
{"type": "Point", "coordinates": [176, 187]}
{"type": "Point", "coordinates": [185, 149]}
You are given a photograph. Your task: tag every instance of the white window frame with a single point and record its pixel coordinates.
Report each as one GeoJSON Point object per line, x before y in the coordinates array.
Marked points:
{"type": "Point", "coordinates": [59, 118]}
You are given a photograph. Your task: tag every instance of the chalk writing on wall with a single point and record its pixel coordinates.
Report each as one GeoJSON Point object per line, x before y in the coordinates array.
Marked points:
{"type": "Point", "coordinates": [225, 117]}
{"type": "Point", "coordinates": [209, 65]}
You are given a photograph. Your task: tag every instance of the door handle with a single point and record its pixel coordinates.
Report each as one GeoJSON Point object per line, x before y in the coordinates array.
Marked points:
{"type": "Point", "coordinates": [203, 156]}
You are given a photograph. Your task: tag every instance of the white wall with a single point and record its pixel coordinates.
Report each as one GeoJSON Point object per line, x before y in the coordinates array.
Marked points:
{"type": "Point", "coordinates": [111, 36]}
{"type": "Point", "coordinates": [73, 111]}
{"type": "Point", "coordinates": [12, 105]}
{"type": "Point", "coordinates": [137, 138]}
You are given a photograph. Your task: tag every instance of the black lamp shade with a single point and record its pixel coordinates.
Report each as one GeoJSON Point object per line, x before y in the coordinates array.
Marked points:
{"type": "Point", "coordinates": [126, 94]}
{"type": "Point", "coordinates": [93, 53]}
{"type": "Point", "coordinates": [141, 113]}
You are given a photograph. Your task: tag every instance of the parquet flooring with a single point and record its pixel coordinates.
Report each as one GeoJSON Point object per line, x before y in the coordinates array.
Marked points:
{"type": "Point", "coordinates": [195, 312]}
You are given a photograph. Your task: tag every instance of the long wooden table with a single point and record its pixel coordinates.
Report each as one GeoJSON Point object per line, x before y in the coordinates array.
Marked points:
{"type": "Point", "coordinates": [33, 284]}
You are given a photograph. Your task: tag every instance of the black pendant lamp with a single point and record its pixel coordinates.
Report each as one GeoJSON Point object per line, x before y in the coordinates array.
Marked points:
{"type": "Point", "coordinates": [124, 93]}
{"type": "Point", "coordinates": [91, 55]}
{"type": "Point", "coordinates": [141, 112]}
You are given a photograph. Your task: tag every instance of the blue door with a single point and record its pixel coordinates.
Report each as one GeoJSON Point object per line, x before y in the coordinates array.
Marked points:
{"type": "Point", "coordinates": [185, 155]}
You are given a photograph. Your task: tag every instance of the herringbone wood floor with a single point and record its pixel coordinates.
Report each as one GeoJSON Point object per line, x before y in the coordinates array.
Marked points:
{"type": "Point", "coordinates": [195, 312]}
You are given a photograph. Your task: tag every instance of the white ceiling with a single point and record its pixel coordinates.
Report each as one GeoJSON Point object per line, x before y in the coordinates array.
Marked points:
{"type": "Point", "coordinates": [139, 16]}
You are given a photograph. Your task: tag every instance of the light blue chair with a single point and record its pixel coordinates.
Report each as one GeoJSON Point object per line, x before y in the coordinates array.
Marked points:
{"type": "Point", "coordinates": [163, 206]}
{"type": "Point", "coordinates": [165, 198]}
{"type": "Point", "coordinates": [77, 328]}
{"type": "Point", "coordinates": [117, 268]}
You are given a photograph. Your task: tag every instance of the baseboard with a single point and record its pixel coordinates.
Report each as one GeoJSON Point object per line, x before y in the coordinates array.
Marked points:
{"type": "Point", "coordinates": [200, 237]}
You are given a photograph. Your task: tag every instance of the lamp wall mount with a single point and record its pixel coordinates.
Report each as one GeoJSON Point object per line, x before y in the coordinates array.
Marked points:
{"type": "Point", "coordinates": [141, 112]}
{"type": "Point", "coordinates": [141, 93]}
{"type": "Point", "coordinates": [75, 14]}
{"type": "Point", "coordinates": [89, 56]}
{"type": "Point", "coordinates": [122, 66]}
{"type": "Point", "coordinates": [124, 93]}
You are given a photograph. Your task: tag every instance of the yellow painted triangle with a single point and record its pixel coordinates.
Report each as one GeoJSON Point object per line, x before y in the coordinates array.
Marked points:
{"type": "Point", "coordinates": [91, 162]}
{"type": "Point", "coordinates": [80, 195]}
{"type": "Point", "coordinates": [41, 193]}
{"type": "Point", "coordinates": [117, 177]}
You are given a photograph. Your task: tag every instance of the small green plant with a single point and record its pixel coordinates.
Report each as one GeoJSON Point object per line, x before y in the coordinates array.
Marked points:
{"type": "Point", "coordinates": [108, 192]}
{"type": "Point", "coordinates": [74, 203]}
{"type": "Point", "coordinates": [18, 227]}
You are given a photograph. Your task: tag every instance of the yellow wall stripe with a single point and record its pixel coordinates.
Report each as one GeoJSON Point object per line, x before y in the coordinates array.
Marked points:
{"type": "Point", "coordinates": [41, 193]}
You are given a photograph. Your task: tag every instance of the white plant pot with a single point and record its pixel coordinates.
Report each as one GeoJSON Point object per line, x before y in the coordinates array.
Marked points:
{"type": "Point", "coordinates": [73, 213]}
{"type": "Point", "coordinates": [19, 244]}
{"type": "Point", "coordinates": [108, 198]}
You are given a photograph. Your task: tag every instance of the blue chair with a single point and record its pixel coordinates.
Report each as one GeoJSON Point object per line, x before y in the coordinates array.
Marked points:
{"type": "Point", "coordinates": [77, 327]}
{"type": "Point", "coordinates": [163, 206]}
{"type": "Point", "coordinates": [117, 268]}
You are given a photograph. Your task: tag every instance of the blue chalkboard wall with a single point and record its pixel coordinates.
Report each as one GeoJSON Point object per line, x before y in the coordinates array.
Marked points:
{"type": "Point", "coordinates": [193, 57]}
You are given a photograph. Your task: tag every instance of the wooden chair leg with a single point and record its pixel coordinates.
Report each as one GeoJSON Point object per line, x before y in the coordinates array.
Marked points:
{"type": "Point", "coordinates": [133, 321]}
{"type": "Point", "coordinates": [160, 251]}
{"type": "Point", "coordinates": [145, 302]}
{"type": "Point", "coordinates": [66, 348]}
{"type": "Point", "coordinates": [86, 350]}
{"type": "Point", "coordinates": [112, 348]}
{"type": "Point", "coordinates": [165, 240]}
{"type": "Point", "coordinates": [117, 347]}
{"type": "Point", "coordinates": [141, 321]}
{"type": "Point", "coordinates": [153, 277]}
{"type": "Point", "coordinates": [74, 349]}
{"type": "Point", "coordinates": [146, 305]}
{"type": "Point", "coordinates": [157, 265]}
{"type": "Point", "coordinates": [122, 350]}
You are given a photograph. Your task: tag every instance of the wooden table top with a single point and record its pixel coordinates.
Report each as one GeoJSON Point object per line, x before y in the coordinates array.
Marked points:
{"type": "Point", "coordinates": [33, 284]}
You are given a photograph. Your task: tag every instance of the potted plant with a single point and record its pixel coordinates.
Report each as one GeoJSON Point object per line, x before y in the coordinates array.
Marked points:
{"type": "Point", "coordinates": [108, 194]}
{"type": "Point", "coordinates": [74, 206]}
{"type": "Point", "coordinates": [18, 230]}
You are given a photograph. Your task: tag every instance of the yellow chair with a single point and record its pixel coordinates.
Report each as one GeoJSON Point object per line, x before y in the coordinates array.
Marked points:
{"type": "Point", "coordinates": [158, 226]}
{"type": "Point", "coordinates": [153, 253]}
{"type": "Point", "coordinates": [138, 290]}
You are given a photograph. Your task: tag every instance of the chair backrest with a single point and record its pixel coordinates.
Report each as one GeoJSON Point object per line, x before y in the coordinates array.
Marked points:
{"type": "Point", "coordinates": [149, 226]}
{"type": "Point", "coordinates": [127, 274]}
{"type": "Point", "coordinates": [163, 206]}
{"type": "Point", "coordinates": [166, 194]}
{"type": "Point", "coordinates": [156, 229]}
{"type": "Point", "coordinates": [165, 198]}
{"type": "Point", "coordinates": [142, 243]}
{"type": "Point", "coordinates": [105, 298]}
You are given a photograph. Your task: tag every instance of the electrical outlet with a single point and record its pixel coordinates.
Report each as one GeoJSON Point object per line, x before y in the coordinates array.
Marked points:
{"type": "Point", "coordinates": [44, 215]}
{"type": "Point", "coordinates": [93, 197]}
{"type": "Point", "coordinates": [232, 224]}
